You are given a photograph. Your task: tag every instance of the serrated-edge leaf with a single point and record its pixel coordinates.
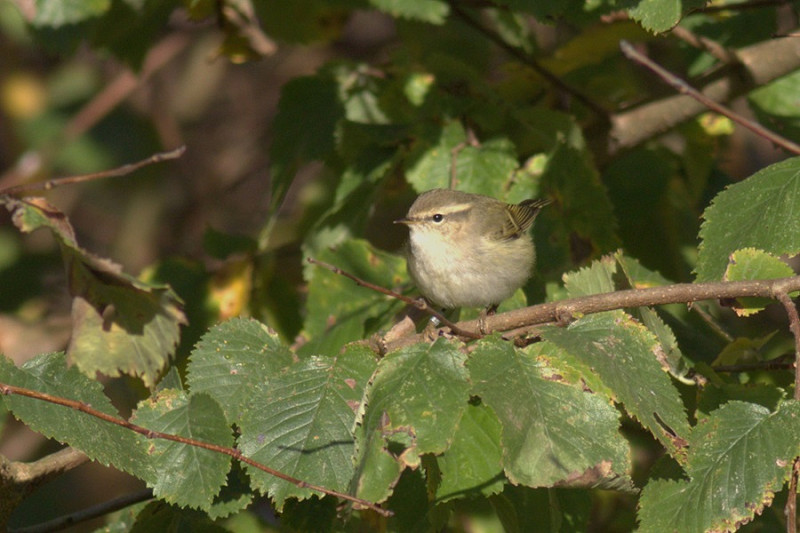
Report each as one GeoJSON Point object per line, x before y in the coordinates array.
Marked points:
{"type": "Point", "coordinates": [234, 358]}
{"type": "Point", "coordinates": [187, 475]}
{"type": "Point", "coordinates": [551, 431]}
{"type": "Point", "coordinates": [740, 456]}
{"type": "Point", "coordinates": [759, 212]}
{"type": "Point", "coordinates": [101, 441]}
{"type": "Point", "coordinates": [624, 356]}
{"type": "Point", "coordinates": [307, 431]}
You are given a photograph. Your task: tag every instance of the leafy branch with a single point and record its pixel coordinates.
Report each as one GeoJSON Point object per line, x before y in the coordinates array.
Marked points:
{"type": "Point", "coordinates": [7, 389]}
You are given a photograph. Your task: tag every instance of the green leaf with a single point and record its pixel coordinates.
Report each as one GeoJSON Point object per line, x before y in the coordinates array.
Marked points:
{"type": "Point", "coordinates": [594, 279]}
{"type": "Point", "coordinates": [472, 464]}
{"type": "Point", "coordinates": [759, 212]}
{"type": "Point", "coordinates": [422, 388]}
{"type": "Point", "coordinates": [431, 157]}
{"type": "Point", "coordinates": [621, 356]}
{"type": "Point", "coordinates": [526, 510]}
{"type": "Point", "coordinates": [55, 13]}
{"type": "Point", "coordinates": [414, 403]}
{"type": "Point", "coordinates": [776, 102]}
{"type": "Point", "coordinates": [639, 277]}
{"type": "Point", "coordinates": [739, 458]}
{"type": "Point", "coordinates": [234, 358]}
{"type": "Point", "coordinates": [662, 15]}
{"type": "Point", "coordinates": [121, 324]}
{"type": "Point", "coordinates": [187, 475]}
{"type": "Point", "coordinates": [339, 311]}
{"type": "Point", "coordinates": [101, 441]}
{"type": "Point", "coordinates": [308, 113]}
{"type": "Point", "coordinates": [432, 11]}
{"type": "Point", "coordinates": [750, 264]}
{"type": "Point", "coordinates": [551, 431]}
{"type": "Point", "coordinates": [307, 431]}
{"type": "Point", "coordinates": [487, 168]}
{"type": "Point", "coordinates": [159, 517]}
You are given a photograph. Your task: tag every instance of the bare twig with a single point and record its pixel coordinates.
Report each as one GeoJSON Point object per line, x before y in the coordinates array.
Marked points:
{"type": "Point", "coordinates": [742, 6]}
{"type": "Point", "coordinates": [114, 172]}
{"type": "Point", "coordinates": [794, 326]}
{"type": "Point", "coordinates": [150, 434]}
{"type": "Point", "coordinates": [758, 65]}
{"type": "Point", "coordinates": [684, 88]}
{"type": "Point", "coordinates": [748, 367]}
{"type": "Point", "coordinates": [704, 43]}
{"type": "Point", "coordinates": [89, 513]}
{"type": "Point", "coordinates": [528, 60]}
{"type": "Point", "coordinates": [791, 500]}
{"type": "Point", "coordinates": [418, 303]}
{"type": "Point", "coordinates": [120, 88]}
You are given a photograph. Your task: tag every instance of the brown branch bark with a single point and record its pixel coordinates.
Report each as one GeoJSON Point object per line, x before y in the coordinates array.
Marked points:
{"type": "Point", "coordinates": [564, 311]}
{"type": "Point", "coordinates": [18, 479]}
{"type": "Point", "coordinates": [757, 65]}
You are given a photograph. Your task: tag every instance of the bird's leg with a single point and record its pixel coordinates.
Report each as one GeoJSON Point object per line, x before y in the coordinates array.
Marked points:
{"type": "Point", "coordinates": [483, 327]}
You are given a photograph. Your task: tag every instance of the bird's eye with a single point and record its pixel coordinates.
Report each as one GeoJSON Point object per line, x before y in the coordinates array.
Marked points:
{"type": "Point", "coordinates": [437, 217]}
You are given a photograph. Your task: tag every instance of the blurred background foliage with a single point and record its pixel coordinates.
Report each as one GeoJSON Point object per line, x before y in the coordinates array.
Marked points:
{"type": "Point", "coordinates": [310, 122]}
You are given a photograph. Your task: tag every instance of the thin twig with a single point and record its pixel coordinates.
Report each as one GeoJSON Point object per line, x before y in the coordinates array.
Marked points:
{"type": "Point", "coordinates": [794, 327]}
{"type": "Point", "coordinates": [418, 303]}
{"type": "Point", "coordinates": [704, 43]}
{"type": "Point", "coordinates": [748, 367]}
{"type": "Point", "coordinates": [114, 93]}
{"type": "Point", "coordinates": [791, 500]}
{"type": "Point", "coordinates": [90, 513]}
{"type": "Point", "coordinates": [684, 88]}
{"type": "Point", "coordinates": [6, 389]}
{"type": "Point", "coordinates": [528, 60]}
{"type": "Point", "coordinates": [742, 6]}
{"type": "Point", "coordinates": [114, 172]}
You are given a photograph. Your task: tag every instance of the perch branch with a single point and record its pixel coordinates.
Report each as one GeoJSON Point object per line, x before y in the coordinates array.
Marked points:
{"type": "Point", "coordinates": [684, 88]}
{"type": "Point", "coordinates": [564, 311]}
{"type": "Point", "coordinates": [114, 172]}
{"type": "Point", "coordinates": [6, 389]}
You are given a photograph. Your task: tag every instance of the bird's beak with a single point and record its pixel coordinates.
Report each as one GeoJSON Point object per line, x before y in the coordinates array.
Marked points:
{"type": "Point", "coordinates": [406, 221]}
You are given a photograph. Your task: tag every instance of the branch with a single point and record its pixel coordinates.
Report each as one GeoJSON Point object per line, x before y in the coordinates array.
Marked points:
{"type": "Point", "coordinates": [684, 88]}
{"type": "Point", "coordinates": [114, 172]}
{"type": "Point", "coordinates": [119, 89]}
{"type": "Point", "coordinates": [794, 326]}
{"type": "Point", "coordinates": [528, 60]}
{"type": "Point", "coordinates": [6, 389]}
{"type": "Point", "coordinates": [89, 513]}
{"type": "Point", "coordinates": [757, 65]}
{"type": "Point", "coordinates": [564, 311]}
{"type": "Point", "coordinates": [18, 479]}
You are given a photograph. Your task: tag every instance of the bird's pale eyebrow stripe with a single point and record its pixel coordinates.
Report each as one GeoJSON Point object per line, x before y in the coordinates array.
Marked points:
{"type": "Point", "coordinates": [453, 209]}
